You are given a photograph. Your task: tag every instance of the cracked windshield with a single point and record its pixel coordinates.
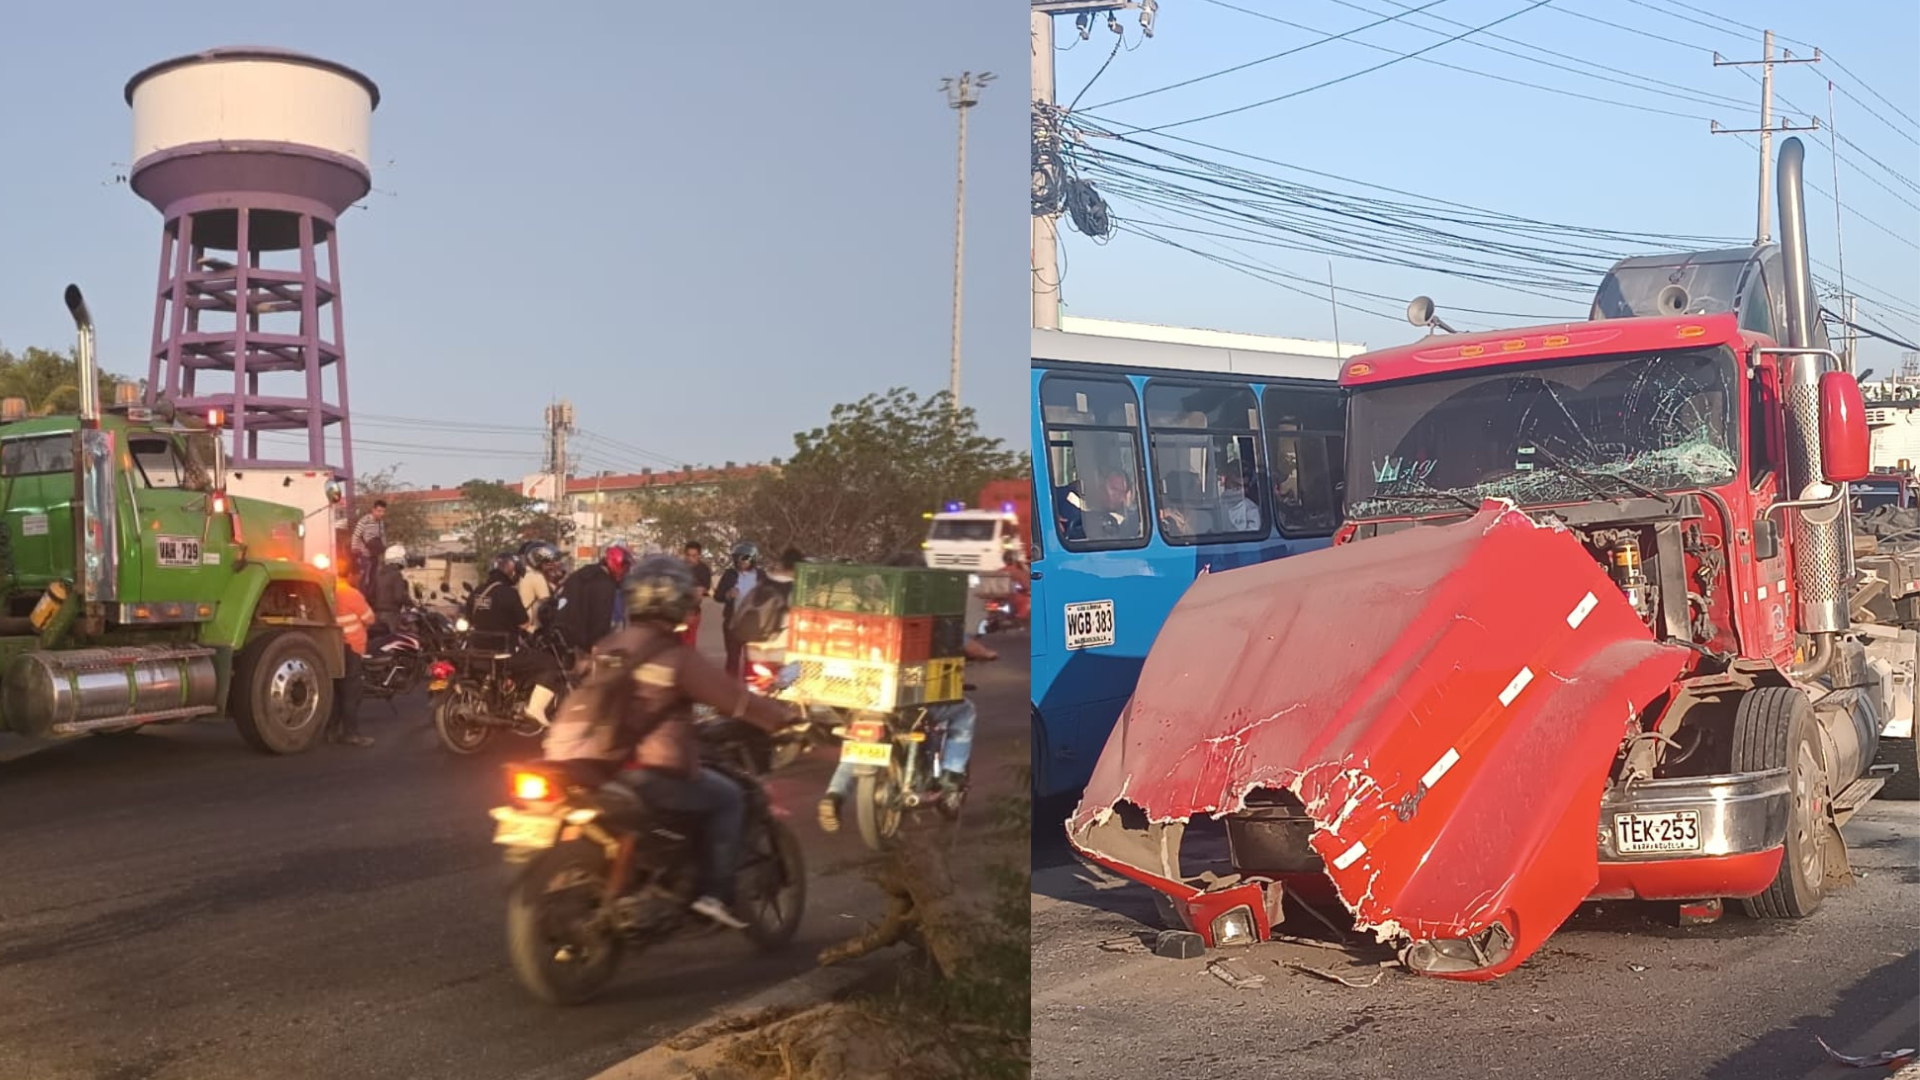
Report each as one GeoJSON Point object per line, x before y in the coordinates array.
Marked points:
{"type": "Point", "coordinates": [1540, 435]}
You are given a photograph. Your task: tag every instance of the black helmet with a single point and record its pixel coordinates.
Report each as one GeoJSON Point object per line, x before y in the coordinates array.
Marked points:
{"type": "Point", "coordinates": [659, 588]}
{"type": "Point", "coordinates": [507, 564]}
{"type": "Point", "coordinates": [748, 550]}
{"type": "Point", "coordinates": [539, 554]}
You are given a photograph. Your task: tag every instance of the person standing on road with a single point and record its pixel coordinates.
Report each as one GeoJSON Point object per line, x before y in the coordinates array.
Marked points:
{"type": "Point", "coordinates": [702, 588]}
{"type": "Point", "coordinates": [369, 540]}
{"type": "Point", "coordinates": [760, 619]}
{"type": "Point", "coordinates": [353, 615]}
{"type": "Point", "coordinates": [738, 581]}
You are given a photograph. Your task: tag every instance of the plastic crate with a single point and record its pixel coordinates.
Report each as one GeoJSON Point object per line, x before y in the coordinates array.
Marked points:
{"type": "Point", "coordinates": [877, 638]}
{"type": "Point", "coordinates": [949, 637]}
{"type": "Point", "coordinates": [946, 681]}
{"type": "Point", "coordinates": [858, 684]}
{"type": "Point", "coordinates": [880, 590]}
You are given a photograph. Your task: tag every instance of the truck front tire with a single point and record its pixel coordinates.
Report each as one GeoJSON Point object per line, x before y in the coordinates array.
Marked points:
{"type": "Point", "coordinates": [281, 697]}
{"type": "Point", "coordinates": [1774, 728]}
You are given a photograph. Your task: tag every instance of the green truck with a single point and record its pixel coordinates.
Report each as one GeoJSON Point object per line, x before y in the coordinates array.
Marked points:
{"type": "Point", "coordinates": [137, 591]}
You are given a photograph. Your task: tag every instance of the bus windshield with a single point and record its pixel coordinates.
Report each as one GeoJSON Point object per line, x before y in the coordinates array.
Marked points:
{"type": "Point", "coordinates": [1544, 434]}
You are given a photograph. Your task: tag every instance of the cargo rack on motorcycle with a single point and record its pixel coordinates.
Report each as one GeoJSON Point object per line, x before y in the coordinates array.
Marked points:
{"type": "Point", "coordinates": [877, 638]}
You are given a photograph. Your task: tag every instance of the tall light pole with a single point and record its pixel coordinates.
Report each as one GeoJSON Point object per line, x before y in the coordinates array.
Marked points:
{"type": "Point", "coordinates": [963, 94]}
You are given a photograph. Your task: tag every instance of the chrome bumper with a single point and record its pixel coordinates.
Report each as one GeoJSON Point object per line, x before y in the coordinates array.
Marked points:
{"type": "Point", "coordinates": [1740, 813]}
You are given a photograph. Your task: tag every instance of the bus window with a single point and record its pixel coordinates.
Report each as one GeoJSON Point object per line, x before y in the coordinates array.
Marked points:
{"type": "Point", "coordinates": [1093, 458]}
{"type": "Point", "coordinates": [1307, 445]}
{"type": "Point", "coordinates": [1206, 461]}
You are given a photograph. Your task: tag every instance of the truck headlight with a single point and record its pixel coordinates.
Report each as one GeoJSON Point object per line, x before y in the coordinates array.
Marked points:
{"type": "Point", "coordinates": [1234, 928]}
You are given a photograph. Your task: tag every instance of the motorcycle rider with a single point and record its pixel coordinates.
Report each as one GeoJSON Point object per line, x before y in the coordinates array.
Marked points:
{"type": "Point", "coordinates": [653, 725]}
{"type": "Point", "coordinates": [536, 585]}
{"type": "Point", "coordinates": [390, 591]}
{"type": "Point", "coordinates": [583, 606]}
{"type": "Point", "coordinates": [735, 583]}
{"type": "Point", "coordinates": [495, 609]}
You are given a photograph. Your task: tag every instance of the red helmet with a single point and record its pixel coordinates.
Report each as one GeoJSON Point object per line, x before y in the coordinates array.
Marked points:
{"type": "Point", "coordinates": [618, 560]}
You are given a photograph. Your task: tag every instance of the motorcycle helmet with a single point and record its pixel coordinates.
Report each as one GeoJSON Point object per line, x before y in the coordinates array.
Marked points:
{"type": "Point", "coordinates": [659, 588]}
{"type": "Point", "coordinates": [748, 550]}
{"type": "Point", "coordinates": [507, 564]}
{"type": "Point", "coordinates": [396, 555]}
{"type": "Point", "coordinates": [618, 561]}
{"type": "Point", "coordinates": [539, 555]}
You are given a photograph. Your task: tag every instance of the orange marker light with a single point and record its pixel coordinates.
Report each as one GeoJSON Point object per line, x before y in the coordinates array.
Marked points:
{"type": "Point", "coordinates": [216, 417]}
{"type": "Point", "coordinates": [530, 787]}
{"type": "Point", "coordinates": [1513, 345]}
{"type": "Point", "coordinates": [1359, 369]}
{"type": "Point", "coordinates": [1554, 341]}
{"type": "Point", "coordinates": [1471, 351]}
{"type": "Point", "coordinates": [1692, 331]}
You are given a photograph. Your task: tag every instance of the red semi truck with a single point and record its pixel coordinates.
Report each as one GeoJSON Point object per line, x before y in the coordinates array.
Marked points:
{"type": "Point", "coordinates": [1595, 628]}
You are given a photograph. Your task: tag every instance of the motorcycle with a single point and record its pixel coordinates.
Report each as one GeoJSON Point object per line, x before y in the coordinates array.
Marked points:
{"type": "Point", "coordinates": [474, 695]}
{"type": "Point", "coordinates": [400, 655]}
{"type": "Point", "coordinates": [896, 770]}
{"type": "Point", "coordinates": [600, 872]}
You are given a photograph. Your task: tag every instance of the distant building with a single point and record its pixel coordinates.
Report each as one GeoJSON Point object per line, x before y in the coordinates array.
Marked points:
{"type": "Point", "coordinates": [605, 507]}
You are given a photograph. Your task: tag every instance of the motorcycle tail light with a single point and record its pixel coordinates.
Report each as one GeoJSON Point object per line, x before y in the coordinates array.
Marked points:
{"type": "Point", "coordinates": [531, 787]}
{"type": "Point", "coordinates": [866, 731]}
{"type": "Point", "coordinates": [441, 670]}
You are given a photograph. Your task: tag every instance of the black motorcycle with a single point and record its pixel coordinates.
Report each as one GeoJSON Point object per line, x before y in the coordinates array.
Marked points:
{"type": "Point", "coordinates": [601, 873]}
{"type": "Point", "coordinates": [475, 694]}
{"type": "Point", "coordinates": [398, 656]}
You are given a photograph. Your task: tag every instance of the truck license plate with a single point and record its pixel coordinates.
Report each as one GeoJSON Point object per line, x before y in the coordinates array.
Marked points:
{"type": "Point", "coordinates": [1639, 834]}
{"type": "Point", "coordinates": [1089, 625]}
{"type": "Point", "coordinates": [867, 753]}
{"type": "Point", "coordinates": [523, 830]}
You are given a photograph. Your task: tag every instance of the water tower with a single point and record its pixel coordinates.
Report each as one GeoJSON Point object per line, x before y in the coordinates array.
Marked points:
{"type": "Point", "coordinates": [251, 155]}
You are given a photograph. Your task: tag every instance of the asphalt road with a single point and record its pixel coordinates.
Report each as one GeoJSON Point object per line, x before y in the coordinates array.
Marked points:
{"type": "Point", "coordinates": [174, 906]}
{"type": "Point", "coordinates": [1621, 991]}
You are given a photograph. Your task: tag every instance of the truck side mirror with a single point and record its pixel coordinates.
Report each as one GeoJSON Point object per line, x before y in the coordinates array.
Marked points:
{"type": "Point", "coordinates": [1766, 539]}
{"type": "Point", "coordinates": [1845, 444]}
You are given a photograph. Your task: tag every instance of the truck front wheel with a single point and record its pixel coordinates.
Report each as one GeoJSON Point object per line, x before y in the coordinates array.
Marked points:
{"type": "Point", "coordinates": [1774, 728]}
{"type": "Point", "coordinates": [281, 696]}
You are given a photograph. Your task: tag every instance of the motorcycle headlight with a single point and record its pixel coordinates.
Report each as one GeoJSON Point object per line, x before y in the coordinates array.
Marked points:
{"type": "Point", "coordinates": [460, 624]}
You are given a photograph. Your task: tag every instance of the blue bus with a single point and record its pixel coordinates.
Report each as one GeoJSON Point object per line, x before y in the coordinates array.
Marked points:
{"type": "Point", "coordinates": [1153, 461]}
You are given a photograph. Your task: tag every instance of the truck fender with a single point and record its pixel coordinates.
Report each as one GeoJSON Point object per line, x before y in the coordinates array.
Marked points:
{"type": "Point", "coordinates": [264, 597]}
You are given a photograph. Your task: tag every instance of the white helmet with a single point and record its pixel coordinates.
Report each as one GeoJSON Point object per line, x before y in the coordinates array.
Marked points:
{"type": "Point", "coordinates": [396, 555]}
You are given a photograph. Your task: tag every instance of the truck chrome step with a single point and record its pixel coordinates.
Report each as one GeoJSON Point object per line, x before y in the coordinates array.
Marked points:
{"type": "Point", "coordinates": [1857, 795]}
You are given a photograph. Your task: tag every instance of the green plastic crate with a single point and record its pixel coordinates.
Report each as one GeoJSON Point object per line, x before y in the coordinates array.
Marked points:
{"type": "Point", "coordinates": [880, 590]}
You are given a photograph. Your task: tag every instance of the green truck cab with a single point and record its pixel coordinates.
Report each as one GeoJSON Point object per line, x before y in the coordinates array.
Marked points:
{"type": "Point", "coordinates": [137, 591]}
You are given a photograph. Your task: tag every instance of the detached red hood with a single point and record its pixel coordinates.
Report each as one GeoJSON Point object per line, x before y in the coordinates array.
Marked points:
{"type": "Point", "coordinates": [1446, 701]}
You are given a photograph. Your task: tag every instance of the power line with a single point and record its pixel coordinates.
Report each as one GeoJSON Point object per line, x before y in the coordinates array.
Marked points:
{"type": "Point", "coordinates": [1704, 97]}
{"type": "Point", "coordinates": [1351, 75]}
{"type": "Point", "coordinates": [1888, 338]}
{"type": "Point", "coordinates": [1265, 59]}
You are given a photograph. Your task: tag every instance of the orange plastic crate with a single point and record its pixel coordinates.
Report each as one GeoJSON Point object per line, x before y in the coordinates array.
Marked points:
{"type": "Point", "coordinates": [889, 639]}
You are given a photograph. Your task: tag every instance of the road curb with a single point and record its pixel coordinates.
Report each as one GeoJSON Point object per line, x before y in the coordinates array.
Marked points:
{"type": "Point", "coordinates": [660, 1061]}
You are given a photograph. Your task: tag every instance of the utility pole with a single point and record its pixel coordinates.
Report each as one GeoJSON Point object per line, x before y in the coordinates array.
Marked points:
{"type": "Point", "coordinates": [962, 95]}
{"type": "Point", "coordinates": [1766, 128]}
{"type": "Point", "coordinates": [1046, 229]}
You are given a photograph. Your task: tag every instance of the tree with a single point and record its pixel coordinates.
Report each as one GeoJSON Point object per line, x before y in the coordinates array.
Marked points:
{"type": "Point", "coordinates": [858, 488]}
{"type": "Point", "coordinates": [709, 515]}
{"type": "Point", "coordinates": [500, 519]}
{"type": "Point", "coordinates": [48, 381]}
{"type": "Point", "coordinates": [406, 520]}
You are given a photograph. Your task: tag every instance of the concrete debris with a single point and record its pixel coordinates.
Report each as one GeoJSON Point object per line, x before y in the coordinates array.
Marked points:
{"type": "Point", "coordinates": [1179, 945]}
{"type": "Point", "coordinates": [1885, 1059]}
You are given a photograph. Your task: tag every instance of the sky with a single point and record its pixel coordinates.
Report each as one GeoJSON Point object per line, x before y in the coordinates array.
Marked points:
{"type": "Point", "coordinates": [1463, 136]}
{"type": "Point", "coordinates": [704, 225]}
